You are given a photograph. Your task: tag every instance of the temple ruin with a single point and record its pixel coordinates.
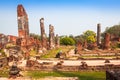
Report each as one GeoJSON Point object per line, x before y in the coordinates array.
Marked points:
{"type": "Point", "coordinates": [98, 34]}
{"type": "Point", "coordinates": [23, 27]}
{"type": "Point", "coordinates": [107, 41]}
{"type": "Point", "coordinates": [51, 37]}
{"type": "Point", "coordinates": [57, 41]}
{"type": "Point", "coordinates": [43, 35]}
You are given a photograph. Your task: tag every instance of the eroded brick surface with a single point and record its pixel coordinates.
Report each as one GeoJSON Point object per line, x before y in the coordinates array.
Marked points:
{"type": "Point", "coordinates": [51, 37]}
{"type": "Point", "coordinates": [107, 41]}
{"type": "Point", "coordinates": [43, 35]}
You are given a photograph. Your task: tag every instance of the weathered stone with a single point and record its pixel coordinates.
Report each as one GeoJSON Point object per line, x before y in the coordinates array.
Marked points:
{"type": "Point", "coordinates": [51, 37]}
{"type": "Point", "coordinates": [107, 61]}
{"type": "Point", "coordinates": [98, 34]}
{"type": "Point", "coordinates": [30, 63]}
{"type": "Point", "coordinates": [3, 39]}
{"type": "Point", "coordinates": [43, 35]}
{"type": "Point", "coordinates": [23, 28]}
{"type": "Point", "coordinates": [92, 46]}
{"type": "Point", "coordinates": [18, 41]}
{"type": "Point", "coordinates": [57, 42]}
{"type": "Point", "coordinates": [85, 44]}
{"type": "Point", "coordinates": [58, 54]}
{"type": "Point", "coordinates": [78, 46]}
{"type": "Point", "coordinates": [113, 75]}
{"type": "Point", "coordinates": [14, 71]}
{"type": "Point", "coordinates": [107, 41]}
{"type": "Point", "coordinates": [84, 65]}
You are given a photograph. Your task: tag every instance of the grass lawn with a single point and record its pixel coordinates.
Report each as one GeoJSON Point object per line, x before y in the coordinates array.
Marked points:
{"type": "Point", "coordinates": [52, 53]}
{"type": "Point", "coordinates": [4, 73]}
{"type": "Point", "coordinates": [81, 75]}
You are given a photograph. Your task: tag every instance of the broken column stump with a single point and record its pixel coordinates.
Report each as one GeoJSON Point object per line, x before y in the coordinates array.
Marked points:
{"type": "Point", "coordinates": [107, 41]}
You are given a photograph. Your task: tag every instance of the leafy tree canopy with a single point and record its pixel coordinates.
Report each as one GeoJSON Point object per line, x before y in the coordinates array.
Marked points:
{"type": "Point", "coordinates": [89, 36]}
{"type": "Point", "coordinates": [67, 41]}
{"type": "Point", "coordinates": [114, 30]}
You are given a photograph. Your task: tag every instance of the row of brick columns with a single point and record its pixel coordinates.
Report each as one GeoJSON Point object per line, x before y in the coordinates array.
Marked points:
{"type": "Point", "coordinates": [53, 41]}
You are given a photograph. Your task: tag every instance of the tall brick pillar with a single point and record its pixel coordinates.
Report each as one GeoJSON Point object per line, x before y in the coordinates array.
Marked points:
{"type": "Point", "coordinates": [98, 34]}
{"type": "Point", "coordinates": [57, 41]}
{"type": "Point", "coordinates": [23, 27]}
{"type": "Point", "coordinates": [51, 37]}
{"type": "Point", "coordinates": [107, 41]}
{"type": "Point", "coordinates": [43, 35]}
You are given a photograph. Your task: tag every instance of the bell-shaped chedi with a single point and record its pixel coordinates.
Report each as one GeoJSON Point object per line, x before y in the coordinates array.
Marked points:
{"type": "Point", "coordinates": [43, 35]}
{"type": "Point", "coordinates": [23, 28]}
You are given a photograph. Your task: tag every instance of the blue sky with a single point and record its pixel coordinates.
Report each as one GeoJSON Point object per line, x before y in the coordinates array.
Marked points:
{"type": "Point", "coordinates": [67, 16]}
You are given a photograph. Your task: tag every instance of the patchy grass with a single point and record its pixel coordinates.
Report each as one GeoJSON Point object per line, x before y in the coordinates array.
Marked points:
{"type": "Point", "coordinates": [4, 73]}
{"type": "Point", "coordinates": [33, 53]}
{"type": "Point", "coordinates": [106, 57]}
{"type": "Point", "coordinates": [92, 75]}
{"type": "Point", "coordinates": [52, 53]}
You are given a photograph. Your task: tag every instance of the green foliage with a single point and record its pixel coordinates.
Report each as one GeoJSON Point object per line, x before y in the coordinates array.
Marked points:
{"type": "Point", "coordinates": [67, 41]}
{"type": "Point", "coordinates": [118, 45]}
{"type": "Point", "coordinates": [2, 53]}
{"type": "Point", "coordinates": [90, 36]}
{"type": "Point", "coordinates": [79, 38]}
{"type": "Point", "coordinates": [33, 52]}
{"type": "Point", "coordinates": [81, 75]}
{"type": "Point", "coordinates": [115, 30]}
{"type": "Point", "coordinates": [52, 53]}
{"type": "Point", "coordinates": [4, 73]}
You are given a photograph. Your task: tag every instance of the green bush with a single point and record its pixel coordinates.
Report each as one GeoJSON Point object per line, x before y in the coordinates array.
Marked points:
{"type": "Point", "coordinates": [67, 41]}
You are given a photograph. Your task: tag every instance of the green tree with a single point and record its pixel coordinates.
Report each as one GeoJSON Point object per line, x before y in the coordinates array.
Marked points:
{"type": "Point", "coordinates": [89, 36]}
{"type": "Point", "coordinates": [114, 30]}
{"type": "Point", "coordinates": [67, 41]}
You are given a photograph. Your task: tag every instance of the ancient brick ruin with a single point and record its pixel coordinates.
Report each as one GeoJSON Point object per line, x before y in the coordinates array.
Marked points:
{"type": "Point", "coordinates": [51, 37]}
{"type": "Point", "coordinates": [57, 41]}
{"type": "Point", "coordinates": [98, 34]}
{"type": "Point", "coordinates": [23, 28]}
{"type": "Point", "coordinates": [107, 41]}
{"type": "Point", "coordinates": [43, 35]}
{"type": "Point", "coordinates": [79, 47]}
{"type": "Point", "coordinates": [3, 40]}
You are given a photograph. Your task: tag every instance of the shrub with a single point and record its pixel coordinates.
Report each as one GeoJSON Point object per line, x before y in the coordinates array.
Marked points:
{"type": "Point", "coordinates": [67, 41]}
